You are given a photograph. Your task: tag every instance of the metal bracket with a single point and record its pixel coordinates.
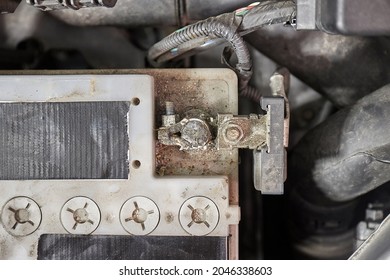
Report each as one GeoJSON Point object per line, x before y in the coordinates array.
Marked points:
{"type": "Point", "coordinates": [269, 162]}
{"type": "Point", "coordinates": [248, 132]}
{"type": "Point", "coordinates": [265, 134]}
{"type": "Point", "coordinates": [306, 14]}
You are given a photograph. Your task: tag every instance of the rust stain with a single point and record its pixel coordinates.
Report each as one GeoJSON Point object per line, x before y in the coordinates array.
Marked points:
{"type": "Point", "coordinates": [32, 251]}
{"type": "Point", "coordinates": [92, 87]}
{"type": "Point", "coordinates": [187, 92]}
{"type": "Point", "coordinates": [169, 217]}
{"type": "Point", "coordinates": [72, 95]}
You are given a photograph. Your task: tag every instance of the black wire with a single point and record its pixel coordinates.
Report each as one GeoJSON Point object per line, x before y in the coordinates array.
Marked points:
{"type": "Point", "coordinates": [230, 27]}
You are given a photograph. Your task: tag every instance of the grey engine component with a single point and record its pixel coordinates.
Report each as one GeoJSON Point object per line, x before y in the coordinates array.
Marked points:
{"type": "Point", "coordinates": [166, 159]}
{"type": "Point", "coordinates": [353, 17]}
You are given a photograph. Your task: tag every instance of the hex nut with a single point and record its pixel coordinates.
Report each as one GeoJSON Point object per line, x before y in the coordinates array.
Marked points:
{"type": "Point", "coordinates": [233, 133]}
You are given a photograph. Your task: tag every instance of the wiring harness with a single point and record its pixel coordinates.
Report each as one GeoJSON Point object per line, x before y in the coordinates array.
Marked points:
{"type": "Point", "coordinates": [228, 27]}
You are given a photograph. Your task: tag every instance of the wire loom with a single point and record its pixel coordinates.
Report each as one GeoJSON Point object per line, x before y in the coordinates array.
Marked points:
{"type": "Point", "coordinates": [231, 27]}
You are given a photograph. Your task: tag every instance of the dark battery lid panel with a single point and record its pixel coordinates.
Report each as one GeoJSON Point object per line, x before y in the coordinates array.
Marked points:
{"type": "Point", "coordinates": [74, 140]}
{"type": "Point", "coordinates": [78, 247]}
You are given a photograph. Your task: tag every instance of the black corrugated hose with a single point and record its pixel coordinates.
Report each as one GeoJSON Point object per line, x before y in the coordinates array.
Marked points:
{"type": "Point", "coordinates": [231, 27]}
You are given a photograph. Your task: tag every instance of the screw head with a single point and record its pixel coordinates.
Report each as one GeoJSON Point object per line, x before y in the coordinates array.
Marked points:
{"type": "Point", "coordinates": [21, 216]}
{"type": "Point", "coordinates": [80, 215]}
{"type": "Point", "coordinates": [199, 215]}
{"type": "Point", "coordinates": [233, 133]}
{"type": "Point", "coordinates": [139, 215]}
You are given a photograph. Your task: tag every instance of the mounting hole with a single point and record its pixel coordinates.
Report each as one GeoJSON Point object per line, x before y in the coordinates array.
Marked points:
{"type": "Point", "coordinates": [136, 164]}
{"type": "Point", "coordinates": [135, 101]}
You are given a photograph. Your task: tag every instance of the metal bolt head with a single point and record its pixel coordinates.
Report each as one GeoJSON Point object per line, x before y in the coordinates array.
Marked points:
{"type": "Point", "coordinates": [139, 215]}
{"type": "Point", "coordinates": [196, 132]}
{"type": "Point", "coordinates": [233, 133]}
{"type": "Point", "coordinates": [21, 216]}
{"type": "Point", "coordinates": [80, 215]}
{"type": "Point", "coordinates": [199, 215]}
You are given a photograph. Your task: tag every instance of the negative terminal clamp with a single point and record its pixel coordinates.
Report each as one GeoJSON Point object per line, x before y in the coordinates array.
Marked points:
{"type": "Point", "coordinates": [270, 161]}
{"type": "Point", "coordinates": [266, 134]}
{"type": "Point", "coordinates": [193, 132]}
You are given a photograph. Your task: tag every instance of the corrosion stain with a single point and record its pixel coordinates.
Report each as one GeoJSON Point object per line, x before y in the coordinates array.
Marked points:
{"type": "Point", "coordinates": [191, 90]}
{"type": "Point", "coordinates": [92, 87]}
{"type": "Point", "coordinates": [169, 217]}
